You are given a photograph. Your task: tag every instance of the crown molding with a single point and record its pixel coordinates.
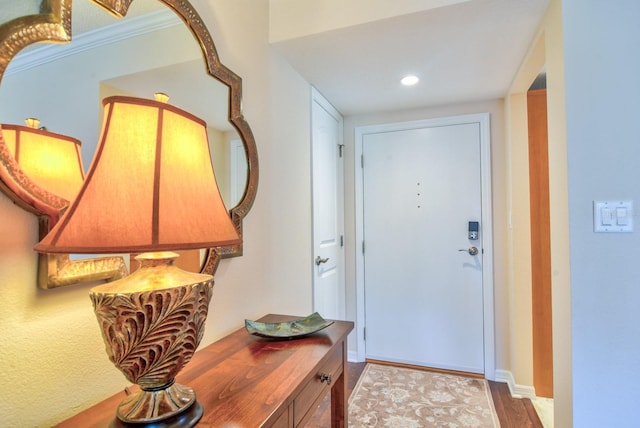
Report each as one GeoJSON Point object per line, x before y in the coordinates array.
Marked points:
{"type": "Point", "coordinates": [121, 30]}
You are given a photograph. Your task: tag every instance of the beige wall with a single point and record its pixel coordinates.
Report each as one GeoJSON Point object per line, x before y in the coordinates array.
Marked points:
{"type": "Point", "coordinates": [546, 50]}
{"type": "Point", "coordinates": [53, 358]}
{"type": "Point", "coordinates": [519, 241]}
{"type": "Point", "coordinates": [559, 202]}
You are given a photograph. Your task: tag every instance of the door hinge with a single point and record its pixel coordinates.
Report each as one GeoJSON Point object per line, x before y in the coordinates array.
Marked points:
{"type": "Point", "coordinates": [342, 240]}
{"type": "Point", "coordinates": [361, 161]}
{"type": "Point", "coordinates": [340, 149]}
{"type": "Point", "coordinates": [364, 333]}
{"type": "Point", "coordinates": [362, 247]}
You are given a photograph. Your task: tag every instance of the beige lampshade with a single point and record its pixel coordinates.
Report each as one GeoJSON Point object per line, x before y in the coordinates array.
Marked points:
{"type": "Point", "coordinates": [52, 161]}
{"type": "Point", "coordinates": [150, 187]}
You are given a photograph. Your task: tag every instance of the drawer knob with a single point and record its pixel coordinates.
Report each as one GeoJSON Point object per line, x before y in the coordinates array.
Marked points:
{"type": "Point", "coordinates": [325, 378]}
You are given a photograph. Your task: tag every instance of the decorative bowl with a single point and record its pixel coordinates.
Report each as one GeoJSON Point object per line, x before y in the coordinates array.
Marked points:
{"type": "Point", "coordinates": [289, 329]}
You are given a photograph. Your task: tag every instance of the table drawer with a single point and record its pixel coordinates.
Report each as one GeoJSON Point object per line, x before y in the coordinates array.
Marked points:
{"type": "Point", "coordinates": [284, 421]}
{"type": "Point", "coordinates": [316, 389]}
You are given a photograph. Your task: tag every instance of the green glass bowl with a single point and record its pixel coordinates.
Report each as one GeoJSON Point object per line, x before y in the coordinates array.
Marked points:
{"type": "Point", "coordinates": [289, 329]}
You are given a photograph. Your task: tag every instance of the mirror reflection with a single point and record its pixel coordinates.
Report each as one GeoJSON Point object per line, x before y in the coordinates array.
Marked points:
{"type": "Point", "coordinates": [16, 9]}
{"type": "Point", "coordinates": [63, 85]}
{"type": "Point", "coordinates": [186, 84]}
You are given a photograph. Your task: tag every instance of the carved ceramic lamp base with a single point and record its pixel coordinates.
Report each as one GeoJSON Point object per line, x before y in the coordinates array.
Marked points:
{"type": "Point", "coordinates": [156, 403]}
{"type": "Point", "coordinates": [152, 322]}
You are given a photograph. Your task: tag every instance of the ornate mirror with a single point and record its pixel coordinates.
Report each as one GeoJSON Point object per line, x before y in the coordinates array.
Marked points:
{"type": "Point", "coordinates": [157, 51]}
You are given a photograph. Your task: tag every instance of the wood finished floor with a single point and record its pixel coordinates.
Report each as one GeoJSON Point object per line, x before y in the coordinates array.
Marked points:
{"type": "Point", "coordinates": [512, 412]}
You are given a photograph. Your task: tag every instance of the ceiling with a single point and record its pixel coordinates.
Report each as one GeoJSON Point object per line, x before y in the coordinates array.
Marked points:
{"type": "Point", "coordinates": [465, 52]}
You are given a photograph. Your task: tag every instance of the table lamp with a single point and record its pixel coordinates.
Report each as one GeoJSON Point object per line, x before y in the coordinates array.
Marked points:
{"type": "Point", "coordinates": [150, 189]}
{"type": "Point", "coordinates": [52, 161]}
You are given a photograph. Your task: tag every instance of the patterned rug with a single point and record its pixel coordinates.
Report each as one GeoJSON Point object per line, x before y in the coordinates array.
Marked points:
{"type": "Point", "coordinates": [388, 396]}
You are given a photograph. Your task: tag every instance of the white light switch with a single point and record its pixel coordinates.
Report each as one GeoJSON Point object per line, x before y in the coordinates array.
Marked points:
{"type": "Point", "coordinates": [613, 216]}
{"type": "Point", "coordinates": [606, 216]}
{"type": "Point", "coordinates": [621, 216]}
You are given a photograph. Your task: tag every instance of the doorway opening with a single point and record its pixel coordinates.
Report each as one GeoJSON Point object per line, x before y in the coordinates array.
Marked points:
{"type": "Point", "coordinates": [540, 238]}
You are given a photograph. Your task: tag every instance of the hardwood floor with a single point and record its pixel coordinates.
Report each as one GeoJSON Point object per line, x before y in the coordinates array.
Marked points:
{"type": "Point", "coordinates": [512, 412]}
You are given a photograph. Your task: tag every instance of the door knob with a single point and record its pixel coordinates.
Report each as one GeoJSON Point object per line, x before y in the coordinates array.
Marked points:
{"type": "Point", "coordinates": [320, 260]}
{"type": "Point", "coordinates": [471, 250]}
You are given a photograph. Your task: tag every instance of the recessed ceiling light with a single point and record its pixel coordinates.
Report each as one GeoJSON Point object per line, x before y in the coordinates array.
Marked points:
{"type": "Point", "coordinates": [409, 80]}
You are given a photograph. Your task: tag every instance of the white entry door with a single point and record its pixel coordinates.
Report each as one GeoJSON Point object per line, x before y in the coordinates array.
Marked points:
{"type": "Point", "coordinates": [328, 208]}
{"type": "Point", "coordinates": [423, 272]}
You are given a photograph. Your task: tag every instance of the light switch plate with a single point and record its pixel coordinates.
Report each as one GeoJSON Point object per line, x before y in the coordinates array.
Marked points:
{"type": "Point", "coordinates": [613, 216]}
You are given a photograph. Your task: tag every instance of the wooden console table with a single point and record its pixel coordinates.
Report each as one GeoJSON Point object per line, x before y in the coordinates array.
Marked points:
{"type": "Point", "coordinates": [244, 381]}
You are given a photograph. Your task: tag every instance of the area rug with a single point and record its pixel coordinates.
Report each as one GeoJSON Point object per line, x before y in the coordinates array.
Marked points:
{"type": "Point", "coordinates": [398, 397]}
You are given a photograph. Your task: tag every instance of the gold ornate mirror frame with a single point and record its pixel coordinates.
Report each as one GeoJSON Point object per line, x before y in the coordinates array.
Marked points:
{"type": "Point", "coordinates": [53, 24]}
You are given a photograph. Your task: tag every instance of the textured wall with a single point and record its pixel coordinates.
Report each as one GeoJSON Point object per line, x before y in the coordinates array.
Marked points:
{"type": "Point", "coordinates": [53, 358]}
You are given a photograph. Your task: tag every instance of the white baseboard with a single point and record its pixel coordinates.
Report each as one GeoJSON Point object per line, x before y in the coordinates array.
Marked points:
{"type": "Point", "coordinates": [517, 391]}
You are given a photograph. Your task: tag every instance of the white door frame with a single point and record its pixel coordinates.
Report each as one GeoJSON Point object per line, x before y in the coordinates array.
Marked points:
{"type": "Point", "coordinates": [318, 100]}
{"type": "Point", "coordinates": [487, 275]}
